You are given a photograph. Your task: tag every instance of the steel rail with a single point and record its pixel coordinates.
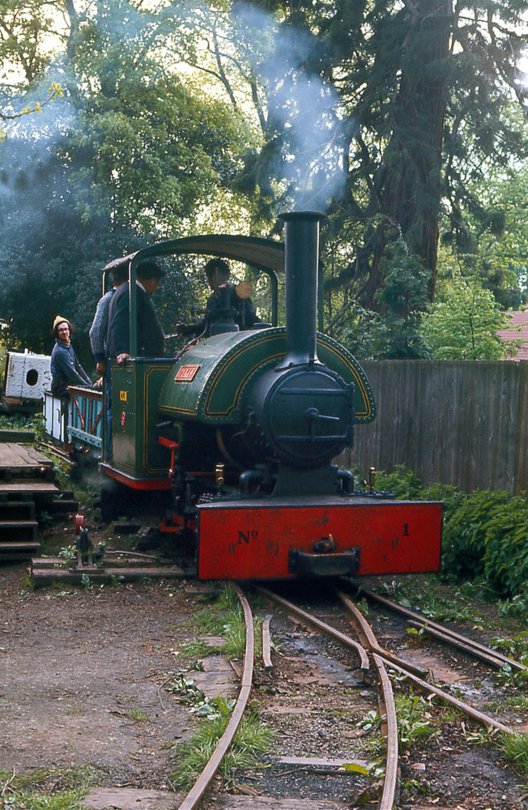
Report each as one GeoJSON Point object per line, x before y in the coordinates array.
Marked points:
{"type": "Point", "coordinates": [193, 798]}
{"type": "Point", "coordinates": [445, 696]}
{"type": "Point", "coordinates": [455, 639]}
{"type": "Point", "coordinates": [388, 707]}
{"type": "Point", "coordinates": [320, 625]}
{"type": "Point", "coordinates": [447, 638]}
{"type": "Point", "coordinates": [372, 643]}
{"type": "Point", "coordinates": [485, 719]}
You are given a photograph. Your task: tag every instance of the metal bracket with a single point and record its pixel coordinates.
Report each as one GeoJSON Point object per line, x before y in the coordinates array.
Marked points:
{"type": "Point", "coordinates": [306, 564]}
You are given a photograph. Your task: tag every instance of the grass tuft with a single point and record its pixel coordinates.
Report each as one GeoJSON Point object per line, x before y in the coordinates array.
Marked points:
{"type": "Point", "coordinates": [47, 788]}
{"type": "Point", "coordinates": [515, 748]}
{"type": "Point", "coordinates": [252, 740]}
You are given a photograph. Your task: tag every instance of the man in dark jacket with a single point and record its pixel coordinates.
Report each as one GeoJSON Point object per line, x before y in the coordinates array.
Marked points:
{"type": "Point", "coordinates": [65, 368]}
{"type": "Point", "coordinates": [227, 304]}
{"type": "Point", "coordinates": [150, 336]}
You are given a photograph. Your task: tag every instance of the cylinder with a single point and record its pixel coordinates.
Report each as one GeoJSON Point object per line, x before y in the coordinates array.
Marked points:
{"type": "Point", "coordinates": [301, 241]}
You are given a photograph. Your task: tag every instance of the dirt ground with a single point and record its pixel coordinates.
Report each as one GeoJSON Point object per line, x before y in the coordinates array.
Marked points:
{"type": "Point", "coordinates": [82, 675]}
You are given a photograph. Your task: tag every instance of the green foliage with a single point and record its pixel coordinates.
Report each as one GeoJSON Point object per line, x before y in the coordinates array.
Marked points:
{"type": "Point", "coordinates": [516, 607]}
{"type": "Point", "coordinates": [68, 554]}
{"type": "Point", "coordinates": [394, 330]}
{"type": "Point", "coordinates": [517, 703]}
{"type": "Point", "coordinates": [493, 247]}
{"type": "Point", "coordinates": [516, 647]}
{"type": "Point", "coordinates": [463, 325]}
{"type": "Point", "coordinates": [403, 298]}
{"type": "Point", "coordinates": [70, 800]}
{"type": "Point", "coordinates": [371, 720]}
{"type": "Point", "coordinates": [225, 618]}
{"type": "Point", "coordinates": [410, 121]}
{"type": "Point", "coordinates": [14, 422]}
{"type": "Point", "coordinates": [414, 720]}
{"type": "Point", "coordinates": [401, 482]}
{"type": "Point", "coordinates": [485, 537]}
{"type": "Point", "coordinates": [47, 789]}
{"type": "Point", "coordinates": [438, 608]}
{"type": "Point", "coordinates": [137, 715]}
{"type": "Point", "coordinates": [196, 649]}
{"type": "Point", "coordinates": [185, 691]}
{"type": "Point", "coordinates": [132, 156]}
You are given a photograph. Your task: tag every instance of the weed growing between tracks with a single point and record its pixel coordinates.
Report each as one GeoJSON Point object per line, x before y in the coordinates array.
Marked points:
{"type": "Point", "coordinates": [222, 617]}
{"type": "Point", "coordinates": [251, 742]}
{"type": "Point", "coordinates": [415, 722]}
{"type": "Point", "coordinates": [515, 748]}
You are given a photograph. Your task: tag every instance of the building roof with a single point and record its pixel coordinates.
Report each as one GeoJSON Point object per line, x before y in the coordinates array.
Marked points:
{"type": "Point", "coordinates": [517, 331]}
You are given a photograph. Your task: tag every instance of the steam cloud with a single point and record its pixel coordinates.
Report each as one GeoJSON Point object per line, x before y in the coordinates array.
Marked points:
{"type": "Point", "coordinates": [303, 108]}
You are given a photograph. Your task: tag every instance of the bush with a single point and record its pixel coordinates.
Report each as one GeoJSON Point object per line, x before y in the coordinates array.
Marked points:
{"type": "Point", "coordinates": [485, 532]}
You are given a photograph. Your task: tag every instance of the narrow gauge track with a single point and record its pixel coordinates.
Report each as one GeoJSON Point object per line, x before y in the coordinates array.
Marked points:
{"type": "Point", "coordinates": [365, 650]}
{"type": "Point", "coordinates": [386, 696]}
{"type": "Point", "coordinates": [195, 795]}
{"type": "Point", "coordinates": [467, 645]}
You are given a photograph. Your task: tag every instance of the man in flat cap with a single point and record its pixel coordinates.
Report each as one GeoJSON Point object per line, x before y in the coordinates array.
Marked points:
{"type": "Point", "coordinates": [65, 367]}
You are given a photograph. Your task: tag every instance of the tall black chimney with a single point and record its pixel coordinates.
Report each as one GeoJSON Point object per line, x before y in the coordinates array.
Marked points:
{"type": "Point", "coordinates": [301, 239]}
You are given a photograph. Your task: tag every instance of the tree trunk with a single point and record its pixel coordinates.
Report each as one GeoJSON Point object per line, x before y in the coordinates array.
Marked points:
{"type": "Point", "coordinates": [409, 183]}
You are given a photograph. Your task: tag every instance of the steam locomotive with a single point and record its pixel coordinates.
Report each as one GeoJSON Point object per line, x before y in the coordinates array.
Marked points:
{"type": "Point", "coordinates": [238, 433]}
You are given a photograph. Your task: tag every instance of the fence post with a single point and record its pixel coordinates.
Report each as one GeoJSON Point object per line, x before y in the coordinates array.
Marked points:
{"type": "Point", "coordinates": [521, 446]}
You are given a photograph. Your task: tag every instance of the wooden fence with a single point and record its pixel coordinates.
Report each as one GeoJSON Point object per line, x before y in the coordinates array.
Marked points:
{"type": "Point", "coordinates": [455, 422]}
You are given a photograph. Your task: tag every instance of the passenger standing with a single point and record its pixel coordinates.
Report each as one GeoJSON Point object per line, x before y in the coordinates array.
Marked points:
{"type": "Point", "coordinates": [65, 367]}
{"type": "Point", "coordinates": [98, 340]}
{"type": "Point", "coordinates": [99, 328]}
{"type": "Point", "coordinates": [150, 336]}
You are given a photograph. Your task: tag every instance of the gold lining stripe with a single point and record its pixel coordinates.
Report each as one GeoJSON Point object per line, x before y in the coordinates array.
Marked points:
{"type": "Point", "coordinates": [223, 369]}
{"type": "Point", "coordinates": [146, 437]}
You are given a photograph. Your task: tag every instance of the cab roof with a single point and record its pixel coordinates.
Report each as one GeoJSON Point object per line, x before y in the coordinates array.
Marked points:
{"type": "Point", "coordinates": [264, 254]}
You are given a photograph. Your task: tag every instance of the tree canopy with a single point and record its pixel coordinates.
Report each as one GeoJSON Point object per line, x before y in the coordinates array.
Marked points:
{"type": "Point", "coordinates": [404, 123]}
{"type": "Point", "coordinates": [128, 155]}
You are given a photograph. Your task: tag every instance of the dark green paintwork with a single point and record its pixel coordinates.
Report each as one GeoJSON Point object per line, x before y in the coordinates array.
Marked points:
{"type": "Point", "coordinates": [136, 390]}
{"type": "Point", "coordinates": [222, 366]}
